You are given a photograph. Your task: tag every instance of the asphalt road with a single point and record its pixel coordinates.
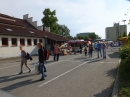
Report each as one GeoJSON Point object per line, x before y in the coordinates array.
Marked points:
{"type": "Point", "coordinates": [72, 76]}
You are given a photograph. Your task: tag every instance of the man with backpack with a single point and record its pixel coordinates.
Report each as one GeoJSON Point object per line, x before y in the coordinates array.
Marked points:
{"type": "Point", "coordinates": [24, 60]}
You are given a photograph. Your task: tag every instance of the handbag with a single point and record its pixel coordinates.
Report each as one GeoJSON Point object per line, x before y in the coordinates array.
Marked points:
{"type": "Point", "coordinates": [36, 68]}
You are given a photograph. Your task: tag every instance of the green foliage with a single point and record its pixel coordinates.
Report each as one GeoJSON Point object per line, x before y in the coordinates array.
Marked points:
{"type": "Point", "coordinates": [124, 72]}
{"type": "Point", "coordinates": [75, 38]}
{"type": "Point", "coordinates": [124, 52]}
{"type": "Point", "coordinates": [63, 30]}
{"type": "Point", "coordinates": [50, 20]}
{"type": "Point", "coordinates": [86, 38]}
{"type": "Point", "coordinates": [98, 37]}
{"type": "Point", "coordinates": [125, 69]}
{"type": "Point", "coordinates": [124, 90]}
{"type": "Point", "coordinates": [124, 34]}
{"type": "Point", "coordinates": [93, 36]}
{"type": "Point", "coordinates": [70, 37]}
{"type": "Point", "coordinates": [83, 37]}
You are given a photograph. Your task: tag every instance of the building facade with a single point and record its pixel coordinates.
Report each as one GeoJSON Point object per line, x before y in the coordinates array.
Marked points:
{"type": "Point", "coordinates": [112, 33]}
{"type": "Point", "coordinates": [83, 34]}
{"type": "Point", "coordinates": [15, 32]}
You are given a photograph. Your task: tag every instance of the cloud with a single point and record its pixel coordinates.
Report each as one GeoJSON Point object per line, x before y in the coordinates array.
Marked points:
{"type": "Point", "coordinates": [78, 15]}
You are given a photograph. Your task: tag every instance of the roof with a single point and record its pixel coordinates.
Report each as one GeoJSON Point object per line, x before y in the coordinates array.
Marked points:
{"type": "Point", "coordinates": [20, 27]}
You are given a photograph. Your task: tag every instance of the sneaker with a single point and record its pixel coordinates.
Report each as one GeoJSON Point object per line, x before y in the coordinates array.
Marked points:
{"type": "Point", "coordinates": [30, 71]}
{"type": "Point", "coordinates": [41, 79]}
{"type": "Point", "coordinates": [21, 73]}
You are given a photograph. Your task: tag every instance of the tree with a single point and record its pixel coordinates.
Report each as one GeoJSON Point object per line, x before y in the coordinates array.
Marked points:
{"type": "Point", "coordinates": [50, 20]}
{"type": "Point", "coordinates": [98, 37]}
{"type": "Point", "coordinates": [63, 30]}
{"type": "Point", "coordinates": [93, 36]}
{"type": "Point", "coordinates": [86, 38]}
{"type": "Point", "coordinates": [69, 37]}
{"type": "Point", "coordinates": [75, 38]}
{"type": "Point", "coordinates": [124, 34]}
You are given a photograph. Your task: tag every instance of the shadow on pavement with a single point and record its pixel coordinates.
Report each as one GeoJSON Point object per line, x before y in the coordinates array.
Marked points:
{"type": "Point", "coordinates": [104, 93]}
{"type": "Point", "coordinates": [112, 72]}
{"type": "Point", "coordinates": [19, 84]}
{"type": "Point", "coordinates": [7, 78]}
{"type": "Point", "coordinates": [108, 91]}
{"type": "Point", "coordinates": [95, 60]}
{"type": "Point", "coordinates": [114, 55]}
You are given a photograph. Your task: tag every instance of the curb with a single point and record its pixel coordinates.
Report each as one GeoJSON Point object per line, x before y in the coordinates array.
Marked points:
{"type": "Point", "coordinates": [116, 84]}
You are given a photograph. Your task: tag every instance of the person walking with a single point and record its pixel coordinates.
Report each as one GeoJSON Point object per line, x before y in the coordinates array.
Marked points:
{"type": "Point", "coordinates": [99, 45]}
{"type": "Point", "coordinates": [85, 50]}
{"type": "Point", "coordinates": [104, 50]}
{"type": "Point", "coordinates": [80, 48]}
{"type": "Point", "coordinates": [56, 52]}
{"type": "Point", "coordinates": [90, 50]}
{"type": "Point", "coordinates": [41, 61]}
{"type": "Point", "coordinates": [24, 60]}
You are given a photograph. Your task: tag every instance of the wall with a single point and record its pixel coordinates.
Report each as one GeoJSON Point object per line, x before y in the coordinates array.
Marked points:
{"type": "Point", "coordinates": [122, 29]}
{"type": "Point", "coordinates": [111, 33]}
{"type": "Point", "coordinates": [13, 51]}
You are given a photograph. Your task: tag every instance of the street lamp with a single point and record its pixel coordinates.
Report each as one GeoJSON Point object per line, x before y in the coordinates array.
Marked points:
{"type": "Point", "coordinates": [124, 21]}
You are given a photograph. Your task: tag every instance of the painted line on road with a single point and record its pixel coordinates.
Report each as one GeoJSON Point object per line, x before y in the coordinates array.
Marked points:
{"type": "Point", "coordinates": [35, 62]}
{"type": "Point", "coordinates": [63, 73]}
{"type": "Point", "coordinates": [34, 68]}
{"type": "Point", "coordinates": [106, 62]}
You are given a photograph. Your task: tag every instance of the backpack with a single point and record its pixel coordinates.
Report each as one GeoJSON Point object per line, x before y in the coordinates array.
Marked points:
{"type": "Point", "coordinates": [47, 54]}
{"type": "Point", "coordinates": [28, 57]}
{"type": "Point", "coordinates": [85, 49]}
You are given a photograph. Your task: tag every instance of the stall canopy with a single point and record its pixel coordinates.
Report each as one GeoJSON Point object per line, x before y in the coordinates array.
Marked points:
{"type": "Point", "coordinates": [77, 41]}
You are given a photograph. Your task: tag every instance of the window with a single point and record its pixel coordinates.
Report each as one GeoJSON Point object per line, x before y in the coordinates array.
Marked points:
{"type": "Point", "coordinates": [48, 41]}
{"type": "Point", "coordinates": [29, 42]}
{"type": "Point", "coordinates": [35, 41]}
{"type": "Point", "coordinates": [40, 40]}
{"type": "Point", "coordinates": [4, 41]}
{"type": "Point", "coordinates": [14, 41]}
{"type": "Point", "coordinates": [22, 41]}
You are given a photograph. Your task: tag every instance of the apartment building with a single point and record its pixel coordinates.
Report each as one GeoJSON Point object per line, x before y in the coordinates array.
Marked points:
{"type": "Point", "coordinates": [112, 33]}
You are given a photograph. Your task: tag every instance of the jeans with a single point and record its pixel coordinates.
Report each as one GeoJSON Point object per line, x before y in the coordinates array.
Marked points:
{"type": "Point", "coordinates": [42, 71]}
{"type": "Point", "coordinates": [44, 67]}
{"type": "Point", "coordinates": [90, 53]}
{"type": "Point", "coordinates": [104, 54]}
{"type": "Point", "coordinates": [85, 53]}
{"type": "Point", "coordinates": [56, 55]}
{"type": "Point", "coordinates": [99, 51]}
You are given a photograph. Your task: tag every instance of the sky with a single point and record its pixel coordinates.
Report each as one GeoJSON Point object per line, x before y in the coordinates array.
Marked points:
{"type": "Point", "coordinates": [78, 15]}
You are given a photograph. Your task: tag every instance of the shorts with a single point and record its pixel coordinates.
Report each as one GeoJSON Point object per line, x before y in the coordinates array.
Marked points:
{"type": "Point", "coordinates": [23, 61]}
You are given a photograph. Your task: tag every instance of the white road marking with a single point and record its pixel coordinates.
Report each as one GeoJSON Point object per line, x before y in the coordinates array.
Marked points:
{"type": "Point", "coordinates": [106, 62]}
{"type": "Point", "coordinates": [63, 74]}
{"type": "Point", "coordinates": [35, 62]}
{"type": "Point", "coordinates": [34, 68]}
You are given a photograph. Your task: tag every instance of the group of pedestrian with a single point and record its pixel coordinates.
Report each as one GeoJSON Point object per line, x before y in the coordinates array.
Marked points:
{"type": "Point", "coordinates": [42, 56]}
{"type": "Point", "coordinates": [101, 49]}
{"type": "Point", "coordinates": [88, 50]}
